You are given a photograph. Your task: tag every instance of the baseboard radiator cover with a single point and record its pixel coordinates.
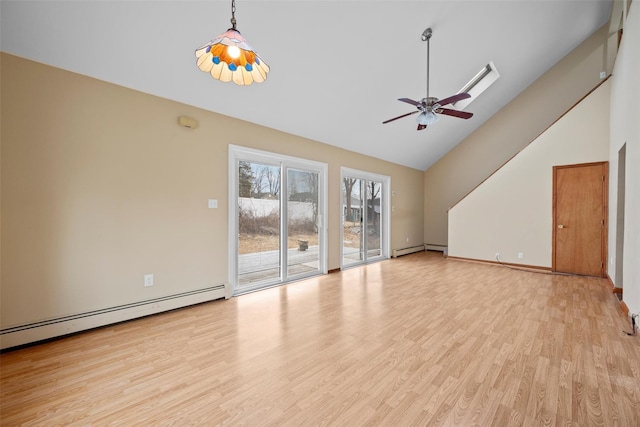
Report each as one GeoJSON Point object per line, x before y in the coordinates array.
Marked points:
{"type": "Point", "coordinates": [406, 251]}
{"type": "Point", "coordinates": [438, 248]}
{"type": "Point", "coordinates": [65, 325]}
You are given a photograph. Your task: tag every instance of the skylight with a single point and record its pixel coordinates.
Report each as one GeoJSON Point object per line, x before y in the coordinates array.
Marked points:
{"type": "Point", "coordinates": [478, 84]}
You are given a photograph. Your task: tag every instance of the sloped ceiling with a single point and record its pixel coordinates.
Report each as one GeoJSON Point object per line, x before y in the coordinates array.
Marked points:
{"type": "Point", "coordinates": [337, 67]}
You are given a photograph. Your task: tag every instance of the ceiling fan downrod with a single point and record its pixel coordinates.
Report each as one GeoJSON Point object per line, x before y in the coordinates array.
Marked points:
{"type": "Point", "coordinates": [426, 36]}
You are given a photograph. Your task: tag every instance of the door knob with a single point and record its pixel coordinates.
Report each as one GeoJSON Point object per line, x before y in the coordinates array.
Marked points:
{"type": "Point", "coordinates": [560, 226]}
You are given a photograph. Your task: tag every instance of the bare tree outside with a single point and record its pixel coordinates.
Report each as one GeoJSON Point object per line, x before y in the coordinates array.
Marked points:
{"type": "Point", "coordinates": [348, 189]}
{"type": "Point", "coordinates": [268, 181]}
{"type": "Point", "coordinates": [373, 200]}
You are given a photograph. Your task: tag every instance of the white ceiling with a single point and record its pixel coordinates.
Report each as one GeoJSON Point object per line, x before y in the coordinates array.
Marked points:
{"type": "Point", "coordinates": [337, 67]}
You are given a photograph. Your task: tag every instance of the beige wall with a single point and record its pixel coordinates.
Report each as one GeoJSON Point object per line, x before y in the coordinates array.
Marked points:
{"type": "Point", "coordinates": [625, 128]}
{"type": "Point", "coordinates": [511, 212]}
{"type": "Point", "coordinates": [101, 186]}
{"type": "Point", "coordinates": [511, 129]}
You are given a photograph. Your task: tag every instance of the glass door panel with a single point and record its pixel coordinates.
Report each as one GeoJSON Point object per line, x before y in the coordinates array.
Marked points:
{"type": "Point", "coordinates": [259, 220]}
{"type": "Point", "coordinates": [352, 230]}
{"type": "Point", "coordinates": [303, 256]}
{"type": "Point", "coordinates": [373, 216]}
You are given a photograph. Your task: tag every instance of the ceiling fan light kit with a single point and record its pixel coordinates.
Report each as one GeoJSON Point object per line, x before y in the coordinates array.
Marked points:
{"type": "Point", "coordinates": [427, 118]}
{"type": "Point", "coordinates": [229, 57]}
{"type": "Point", "coordinates": [429, 106]}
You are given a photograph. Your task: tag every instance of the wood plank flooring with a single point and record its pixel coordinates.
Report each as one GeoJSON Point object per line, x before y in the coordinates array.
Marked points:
{"type": "Point", "coordinates": [418, 340]}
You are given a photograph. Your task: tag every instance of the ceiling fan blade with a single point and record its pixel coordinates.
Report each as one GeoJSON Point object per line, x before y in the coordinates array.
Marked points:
{"type": "Point", "coordinates": [454, 98]}
{"type": "Point", "coordinates": [410, 101]}
{"type": "Point", "coordinates": [454, 113]}
{"type": "Point", "coordinates": [421, 127]}
{"type": "Point", "coordinates": [399, 117]}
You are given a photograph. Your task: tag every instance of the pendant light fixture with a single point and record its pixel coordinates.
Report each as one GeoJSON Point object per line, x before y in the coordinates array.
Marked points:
{"type": "Point", "coordinates": [229, 57]}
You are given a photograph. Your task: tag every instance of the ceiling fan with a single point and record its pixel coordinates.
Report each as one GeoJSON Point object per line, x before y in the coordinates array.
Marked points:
{"type": "Point", "coordinates": [429, 106]}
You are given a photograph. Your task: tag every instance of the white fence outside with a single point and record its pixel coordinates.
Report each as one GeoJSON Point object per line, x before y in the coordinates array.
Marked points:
{"type": "Point", "coordinates": [264, 207]}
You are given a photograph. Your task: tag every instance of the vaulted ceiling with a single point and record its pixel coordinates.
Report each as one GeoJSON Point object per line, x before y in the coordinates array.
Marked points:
{"type": "Point", "coordinates": [337, 67]}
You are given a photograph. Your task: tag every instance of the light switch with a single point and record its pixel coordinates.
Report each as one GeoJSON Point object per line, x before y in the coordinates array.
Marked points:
{"type": "Point", "coordinates": [213, 203]}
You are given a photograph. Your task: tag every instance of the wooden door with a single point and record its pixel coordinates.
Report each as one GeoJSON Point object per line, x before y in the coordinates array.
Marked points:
{"type": "Point", "coordinates": [579, 219]}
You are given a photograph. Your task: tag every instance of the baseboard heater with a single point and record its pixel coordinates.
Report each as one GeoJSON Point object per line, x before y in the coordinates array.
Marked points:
{"type": "Point", "coordinates": [435, 247]}
{"type": "Point", "coordinates": [52, 328]}
{"type": "Point", "coordinates": [405, 251]}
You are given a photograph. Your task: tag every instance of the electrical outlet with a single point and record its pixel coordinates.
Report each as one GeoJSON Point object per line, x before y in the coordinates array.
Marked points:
{"type": "Point", "coordinates": [407, 239]}
{"type": "Point", "coordinates": [497, 256]}
{"type": "Point", "coordinates": [520, 255]}
{"type": "Point", "coordinates": [148, 280]}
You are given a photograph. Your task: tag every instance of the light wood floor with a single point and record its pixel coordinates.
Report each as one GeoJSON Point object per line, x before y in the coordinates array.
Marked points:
{"type": "Point", "coordinates": [418, 340]}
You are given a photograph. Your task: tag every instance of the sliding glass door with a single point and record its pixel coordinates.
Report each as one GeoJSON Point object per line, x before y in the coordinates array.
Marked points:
{"type": "Point", "coordinates": [277, 214]}
{"type": "Point", "coordinates": [365, 217]}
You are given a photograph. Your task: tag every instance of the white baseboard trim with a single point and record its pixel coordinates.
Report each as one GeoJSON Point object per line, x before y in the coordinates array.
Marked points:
{"type": "Point", "coordinates": [52, 328]}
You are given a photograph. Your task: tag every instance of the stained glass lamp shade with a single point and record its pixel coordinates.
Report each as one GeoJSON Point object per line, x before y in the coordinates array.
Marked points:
{"type": "Point", "coordinates": [229, 57]}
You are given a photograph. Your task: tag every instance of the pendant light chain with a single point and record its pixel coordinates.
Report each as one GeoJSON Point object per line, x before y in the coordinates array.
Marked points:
{"type": "Point", "coordinates": [233, 14]}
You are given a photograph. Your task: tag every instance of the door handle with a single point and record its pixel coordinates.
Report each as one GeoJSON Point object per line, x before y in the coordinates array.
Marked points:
{"type": "Point", "coordinates": [560, 226]}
